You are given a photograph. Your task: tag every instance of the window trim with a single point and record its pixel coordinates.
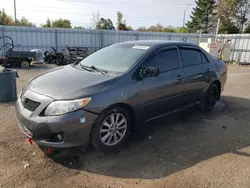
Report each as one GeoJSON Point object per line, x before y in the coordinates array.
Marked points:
{"type": "Point", "coordinates": [165, 48]}
{"type": "Point", "coordinates": [190, 48]}
{"type": "Point", "coordinates": [202, 53]}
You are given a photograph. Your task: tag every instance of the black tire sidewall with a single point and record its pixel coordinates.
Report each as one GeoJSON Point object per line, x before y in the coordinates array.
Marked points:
{"type": "Point", "coordinates": [95, 133]}
{"type": "Point", "coordinates": [206, 106]}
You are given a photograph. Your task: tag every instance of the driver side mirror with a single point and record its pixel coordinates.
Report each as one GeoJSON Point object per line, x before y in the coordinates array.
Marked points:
{"type": "Point", "coordinates": [149, 72]}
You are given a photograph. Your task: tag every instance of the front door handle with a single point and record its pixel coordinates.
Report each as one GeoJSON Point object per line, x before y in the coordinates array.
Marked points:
{"type": "Point", "coordinates": [179, 77]}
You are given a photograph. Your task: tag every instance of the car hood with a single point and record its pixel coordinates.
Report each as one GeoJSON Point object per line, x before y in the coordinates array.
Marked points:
{"type": "Point", "coordinates": [69, 82]}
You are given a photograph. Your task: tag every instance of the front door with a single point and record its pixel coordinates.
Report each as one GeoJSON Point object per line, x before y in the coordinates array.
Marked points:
{"type": "Point", "coordinates": [161, 94]}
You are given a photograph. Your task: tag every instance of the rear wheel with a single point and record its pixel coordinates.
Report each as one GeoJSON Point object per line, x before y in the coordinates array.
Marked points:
{"type": "Point", "coordinates": [25, 64]}
{"type": "Point", "coordinates": [111, 129]}
{"type": "Point", "coordinates": [210, 98]}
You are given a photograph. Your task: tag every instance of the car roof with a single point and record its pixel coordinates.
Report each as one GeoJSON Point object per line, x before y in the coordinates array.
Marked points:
{"type": "Point", "coordinates": [154, 43]}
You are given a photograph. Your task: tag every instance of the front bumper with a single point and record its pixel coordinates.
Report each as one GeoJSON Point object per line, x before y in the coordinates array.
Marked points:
{"type": "Point", "coordinates": [75, 127]}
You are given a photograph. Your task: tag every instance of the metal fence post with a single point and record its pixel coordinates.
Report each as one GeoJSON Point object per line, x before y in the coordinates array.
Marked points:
{"type": "Point", "coordinates": [3, 39]}
{"type": "Point", "coordinates": [169, 36]}
{"type": "Point", "coordinates": [101, 39]}
{"type": "Point", "coordinates": [137, 36]}
{"type": "Point", "coordinates": [56, 40]}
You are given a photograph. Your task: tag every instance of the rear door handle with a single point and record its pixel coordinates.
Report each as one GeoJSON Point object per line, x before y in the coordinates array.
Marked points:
{"type": "Point", "coordinates": [198, 76]}
{"type": "Point", "coordinates": [179, 77]}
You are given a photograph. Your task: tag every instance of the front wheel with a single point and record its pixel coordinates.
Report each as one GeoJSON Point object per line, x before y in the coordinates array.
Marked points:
{"type": "Point", "coordinates": [25, 64]}
{"type": "Point", "coordinates": [210, 98]}
{"type": "Point", "coordinates": [111, 129]}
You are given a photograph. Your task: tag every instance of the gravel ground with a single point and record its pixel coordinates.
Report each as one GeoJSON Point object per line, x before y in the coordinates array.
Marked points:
{"type": "Point", "coordinates": [188, 149]}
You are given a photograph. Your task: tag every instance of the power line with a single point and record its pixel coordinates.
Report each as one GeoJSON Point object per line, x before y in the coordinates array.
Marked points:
{"type": "Point", "coordinates": [54, 12]}
{"type": "Point", "coordinates": [121, 2]}
{"type": "Point", "coordinates": [87, 14]}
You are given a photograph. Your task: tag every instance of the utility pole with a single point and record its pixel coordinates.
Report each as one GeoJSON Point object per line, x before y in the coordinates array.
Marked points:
{"type": "Point", "coordinates": [15, 9]}
{"type": "Point", "coordinates": [184, 16]}
{"type": "Point", "coordinates": [217, 29]}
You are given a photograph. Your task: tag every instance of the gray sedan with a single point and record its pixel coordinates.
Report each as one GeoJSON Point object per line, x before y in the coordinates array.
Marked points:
{"type": "Point", "coordinates": [98, 100]}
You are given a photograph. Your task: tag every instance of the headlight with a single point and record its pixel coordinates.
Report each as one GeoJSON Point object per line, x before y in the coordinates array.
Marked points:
{"type": "Point", "coordinates": [63, 107]}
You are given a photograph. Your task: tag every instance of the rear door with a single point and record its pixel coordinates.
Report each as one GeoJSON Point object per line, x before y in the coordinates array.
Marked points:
{"type": "Point", "coordinates": [161, 94]}
{"type": "Point", "coordinates": [197, 73]}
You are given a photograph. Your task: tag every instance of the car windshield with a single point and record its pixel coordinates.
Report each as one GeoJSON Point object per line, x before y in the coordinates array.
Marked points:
{"type": "Point", "coordinates": [116, 57]}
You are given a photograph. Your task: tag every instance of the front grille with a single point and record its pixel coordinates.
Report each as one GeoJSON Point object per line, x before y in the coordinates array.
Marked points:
{"type": "Point", "coordinates": [30, 104]}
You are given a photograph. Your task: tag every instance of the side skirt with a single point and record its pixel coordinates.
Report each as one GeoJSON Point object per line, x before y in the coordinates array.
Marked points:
{"type": "Point", "coordinates": [177, 110]}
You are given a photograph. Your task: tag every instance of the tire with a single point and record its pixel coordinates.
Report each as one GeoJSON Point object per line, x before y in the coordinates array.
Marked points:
{"type": "Point", "coordinates": [113, 136]}
{"type": "Point", "coordinates": [210, 98]}
{"type": "Point", "coordinates": [25, 64]}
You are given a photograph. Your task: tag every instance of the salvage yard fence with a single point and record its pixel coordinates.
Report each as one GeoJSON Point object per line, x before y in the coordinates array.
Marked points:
{"type": "Point", "coordinates": [27, 38]}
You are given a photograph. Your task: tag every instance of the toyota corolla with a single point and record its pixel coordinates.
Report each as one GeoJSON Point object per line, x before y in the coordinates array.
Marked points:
{"type": "Point", "coordinates": [98, 100]}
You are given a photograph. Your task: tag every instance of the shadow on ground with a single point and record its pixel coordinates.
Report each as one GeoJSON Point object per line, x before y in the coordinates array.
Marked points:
{"type": "Point", "coordinates": [174, 143]}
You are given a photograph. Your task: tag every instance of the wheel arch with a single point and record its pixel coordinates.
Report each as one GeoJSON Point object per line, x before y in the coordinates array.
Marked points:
{"type": "Point", "coordinates": [126, 106]}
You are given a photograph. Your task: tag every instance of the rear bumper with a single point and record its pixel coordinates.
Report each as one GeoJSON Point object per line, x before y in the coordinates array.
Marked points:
{"type": "Point", "coordinates": [74, 127]}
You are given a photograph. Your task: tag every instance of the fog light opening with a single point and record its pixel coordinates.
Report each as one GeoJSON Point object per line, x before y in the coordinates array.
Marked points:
{"type": "Point", "coordinates": [59, 137]}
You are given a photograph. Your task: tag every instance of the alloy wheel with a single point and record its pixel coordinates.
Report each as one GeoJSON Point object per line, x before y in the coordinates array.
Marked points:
{"type": "Point", "coordinates": [113, 129]}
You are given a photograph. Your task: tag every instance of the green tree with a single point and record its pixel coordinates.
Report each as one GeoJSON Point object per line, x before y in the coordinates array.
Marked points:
{"type": "Point", "coordinates": [226, 11]}
{"type": "Point", "coordinates": [24, 22]}
{"type": "Point", "coordinates": [47, 24]}
{"type": "Point", "coordinates": [5, 19]}
{"type": "Point", "coordinates": [182, 30]}
{"type": "Point", "coordinates": [169, 29]}
{"type": "Point", "coordinates": [61, 23]}
{"type": "Point", "coordinates": [129, 28]}
{"type": "Point", "coordinates": [229, 29]}
{"type": "Point", "coordinates": [120, 20]}
{"type": "Point", "coordinates": [79, 27]}
{"type": "Point", "coordinates": [105, 24]}
{"type": "Point", "coordinates": [202, 16]}
{"type": "Point", "coordinates": [142, 28]}
{"type": "Point", "coordinates": [247, 29]}
{"type": "Point", "coordinates": [241, 13]}
{"type": "Point", "coordinates": [121, 23]}
{"type": "Point", "coordinates": [152, 28]}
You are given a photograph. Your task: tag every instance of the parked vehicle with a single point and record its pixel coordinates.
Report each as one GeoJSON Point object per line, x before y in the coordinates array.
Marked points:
{"type": "Point", "coordinates": [39, 56]}
{"type": "Point", "coordinates": [100, 99]}
{"type": "Point", "coordinates": [77, 54]}
{"type": "Point", "coordinates": [58, 58]}
{"type": "Point", "coordinates": [11, 57]}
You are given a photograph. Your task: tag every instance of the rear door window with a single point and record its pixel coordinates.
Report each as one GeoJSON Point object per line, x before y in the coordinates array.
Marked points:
{"type": "Point", "coordinates": [191, 57]}
{"type": "Point", "coordinates": [164, 60]}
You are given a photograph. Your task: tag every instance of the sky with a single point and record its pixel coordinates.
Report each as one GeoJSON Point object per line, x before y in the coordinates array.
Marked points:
{"type": "Point", "coordinates": [136, 12]}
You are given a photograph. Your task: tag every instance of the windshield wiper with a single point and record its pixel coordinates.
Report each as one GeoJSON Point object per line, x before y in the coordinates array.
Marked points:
{"type": "Point", "coordinates": [100, 70]}
{"type": "Point", "coordinates": [85, 67]}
